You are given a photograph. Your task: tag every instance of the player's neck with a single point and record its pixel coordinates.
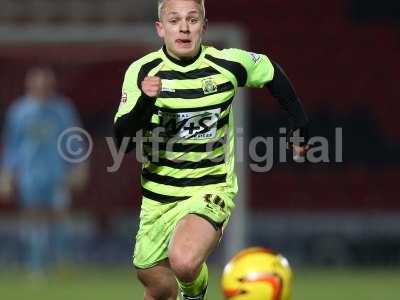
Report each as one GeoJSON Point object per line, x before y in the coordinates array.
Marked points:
{"type": "Point", "coordinates": [181, 61]}
{"type": "Point", "coordinates": [39, 97]}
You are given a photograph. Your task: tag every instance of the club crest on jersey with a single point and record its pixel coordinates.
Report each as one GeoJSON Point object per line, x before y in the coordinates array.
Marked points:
{"type": "Point", "coordinates": [209, 86]}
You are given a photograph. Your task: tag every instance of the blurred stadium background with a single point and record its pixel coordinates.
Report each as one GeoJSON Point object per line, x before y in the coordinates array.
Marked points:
{"type": "Point", "coordinates": [338, 223]}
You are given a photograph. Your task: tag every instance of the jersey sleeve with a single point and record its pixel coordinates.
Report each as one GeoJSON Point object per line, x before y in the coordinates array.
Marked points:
{"type": "Point", "coordinates": [69, 114]}
{"type": "Point", "coordinates": [130, 92]}
{"type": "Point", "coordinates": [136, 108]}
{"type": "Point", "coordinates": [259, 69]}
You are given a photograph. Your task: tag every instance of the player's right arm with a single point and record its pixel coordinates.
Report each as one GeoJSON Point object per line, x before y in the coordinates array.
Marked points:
{"type": "Point", "coordinates": [139, 93]}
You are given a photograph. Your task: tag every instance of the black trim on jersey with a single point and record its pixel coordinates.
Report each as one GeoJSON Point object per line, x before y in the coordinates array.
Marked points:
{"type": "Point", "coordinates": [281, 88]}
{"type": "Point", "coordinates": [162, 198]}
{"type": "Point", "coordinates": [196, 93]}
{"type": "Point", "coordinates": [198, 148]}
{"type": "Point", "coordinates": [195, 74]}
{"type": "Point", "coordinates": [181, 62]}
{"type": "Point", "coordinates": [183, 182]}
{"type": "Point", "coordinates": [234, 67]}
{"type": "Point", "coordinates": [145, 69]}
{"type": "Point", "coordinates": [223, 106]}
{"type": "Point", "coordinates": [222, 122]}
{"type": "Point", "coordinates": [182, 164]}
{"type": "Point", "coordinates": [140, 115]}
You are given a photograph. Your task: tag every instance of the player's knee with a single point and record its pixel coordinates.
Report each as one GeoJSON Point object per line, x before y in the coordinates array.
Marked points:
{"type": "Point", "coordinates": [159, 294]}
{"type": "Point", "coordinates": [160, 289]}
{"type": "Point", "coordinates": [184, 265]}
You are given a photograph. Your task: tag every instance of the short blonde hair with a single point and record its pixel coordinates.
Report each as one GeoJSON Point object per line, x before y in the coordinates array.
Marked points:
{"type": "Point", "coordinates": [161, 4]}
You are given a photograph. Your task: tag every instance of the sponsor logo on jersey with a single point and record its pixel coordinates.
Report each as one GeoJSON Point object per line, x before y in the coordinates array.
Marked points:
{"type": "Point", "coordinates": [255, 57]}
{"type": "Point", "coordinates": [197, 125]}
{"type": "Point", "coordinates": [124, 97]}
{"type": "Point", "coordinates": [209, 86]}
{"type": "Point", "coordinates": [167, 89]}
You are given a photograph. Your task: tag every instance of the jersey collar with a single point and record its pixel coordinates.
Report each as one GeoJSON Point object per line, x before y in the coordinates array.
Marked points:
{"type": "Point", "coordinates": [179, 62]}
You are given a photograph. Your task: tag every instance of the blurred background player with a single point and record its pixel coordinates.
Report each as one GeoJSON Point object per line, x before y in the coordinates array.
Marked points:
{"type": "Point", "coordinates": [32, 165]}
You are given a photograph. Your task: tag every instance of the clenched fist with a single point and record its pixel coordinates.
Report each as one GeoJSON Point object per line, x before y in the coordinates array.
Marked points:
{"type": "Point", "coordinates": [300, 152]}
{"type": "Point", "coordinates": [151, 86]}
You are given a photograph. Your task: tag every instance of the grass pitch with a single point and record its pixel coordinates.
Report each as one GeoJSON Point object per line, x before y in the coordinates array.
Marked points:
{"type": "Point", "coordinates": [88, 283]}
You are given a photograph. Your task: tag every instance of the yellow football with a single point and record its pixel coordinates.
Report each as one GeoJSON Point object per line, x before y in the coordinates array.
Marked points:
{"type": "Point", "coordinates": [257, 274]}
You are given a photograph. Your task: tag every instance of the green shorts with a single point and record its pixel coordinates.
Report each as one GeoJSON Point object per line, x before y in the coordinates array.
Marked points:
{"type": "Point", "coordinates": [158, 222]}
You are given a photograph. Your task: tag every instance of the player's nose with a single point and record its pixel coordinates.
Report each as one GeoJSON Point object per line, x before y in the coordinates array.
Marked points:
{"type": "Point", "coordinates": [184, 27]}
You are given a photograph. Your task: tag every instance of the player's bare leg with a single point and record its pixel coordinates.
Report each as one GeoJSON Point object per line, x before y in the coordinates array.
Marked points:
{"type": "Point", "coordinates": [193, 240]}
{"type": "Point", "coordinates": [159, 282]}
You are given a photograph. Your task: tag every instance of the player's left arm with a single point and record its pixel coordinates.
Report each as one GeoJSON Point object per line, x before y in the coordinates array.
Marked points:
{"type": "Point", "coordinates": [9, 160]}
{"type": "Point", "coordinates": [263, 72]}
{"type": "Point", "coordinates": [282, 89]}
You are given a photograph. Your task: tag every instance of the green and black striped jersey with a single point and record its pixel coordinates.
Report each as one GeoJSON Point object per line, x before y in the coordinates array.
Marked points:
{"type": "Point", "coordinates": [194, 117]}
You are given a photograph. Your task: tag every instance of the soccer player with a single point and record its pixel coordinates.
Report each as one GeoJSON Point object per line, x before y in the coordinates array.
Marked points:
{"type": "Point", "coordinates": [32, 164]}
{"type": "Point", "coordinates": [186, 89]}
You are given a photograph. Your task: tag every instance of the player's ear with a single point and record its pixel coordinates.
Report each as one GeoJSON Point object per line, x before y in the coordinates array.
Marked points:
{"type": "Point", "coordinates": [205, 25]}
{"type": "Point", "coordinates": [160, 29]}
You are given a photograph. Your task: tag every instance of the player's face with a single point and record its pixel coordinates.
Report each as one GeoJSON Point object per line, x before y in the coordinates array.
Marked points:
{"type": "Point", "coordinates": [182, 26]}
{"type": "Point", "coordinates": [41, 84]}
